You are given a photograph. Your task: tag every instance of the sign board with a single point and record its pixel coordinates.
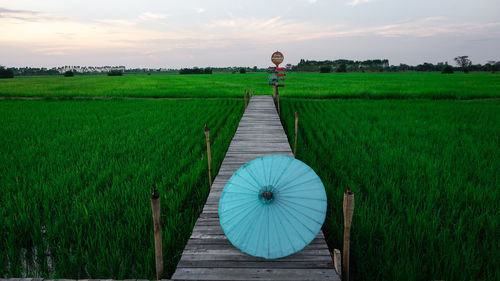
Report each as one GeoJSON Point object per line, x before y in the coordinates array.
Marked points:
{"type": "Point", "coordinates": [277, 58]}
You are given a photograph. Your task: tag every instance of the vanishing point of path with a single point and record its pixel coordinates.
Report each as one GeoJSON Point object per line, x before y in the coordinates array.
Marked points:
{"type": "Point", "coordinates": [208, 254]}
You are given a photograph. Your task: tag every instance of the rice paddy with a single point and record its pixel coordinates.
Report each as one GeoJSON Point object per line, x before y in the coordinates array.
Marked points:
{"type": "Point", "coordinates": [307, 85]}
{"type": "Point", "coordinates": [76, 179]}
{"type": "Point", "coordinates": [425, 177]}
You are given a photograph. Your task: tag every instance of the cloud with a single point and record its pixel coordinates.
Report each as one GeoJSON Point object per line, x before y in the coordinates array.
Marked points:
{"type": "Point", "coordinates": [200, 10]}
{"type": "Point", "coordinates": [25, 15]}
{"type": "Point", "coordinates": [151, 16]}
{"type": "Point", "coordinates": [357, 2]}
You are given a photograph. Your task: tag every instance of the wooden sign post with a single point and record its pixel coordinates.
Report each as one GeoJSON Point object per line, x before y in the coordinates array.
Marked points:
{"type": "Point", "coordinates": [277, 75]}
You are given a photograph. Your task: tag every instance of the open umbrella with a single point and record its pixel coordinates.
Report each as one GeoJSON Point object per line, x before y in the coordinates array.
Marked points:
{"type": "Point", "coordinates": [272, 207]}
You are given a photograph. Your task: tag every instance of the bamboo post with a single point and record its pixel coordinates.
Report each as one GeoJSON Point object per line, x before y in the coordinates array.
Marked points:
{"type": "Point", "coordinates": [278, 101]}
{"type": "Point", "coordinates": [296, 129]}
{"type": "Point", "coordinates": [155, 207]}
{"type": "Point", "coordinates": [207, 137]}
{"type": "Point", "coordinates": [348, 211]}
{"type": "Point", "coordinates": [245, 97]}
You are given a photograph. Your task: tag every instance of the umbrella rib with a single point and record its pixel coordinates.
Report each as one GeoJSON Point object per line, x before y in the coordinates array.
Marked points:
{"type": "Point", "coordinates": [237, 206]}
{"type": "Point", "coordinates": [302, 222]}
{"type": "Point", "coordinates": [271, 171]}
{"type": "Point", "coordinates": [301, 183]}
{"type": "Point", "coordinates": [301, 205]}
{"type": "Point", "coordinates": [244, 229]}
{"type": "Point", "coordinates": [283, 227]}
{"type": "Point", "coordinates": [263, 169]}
{"type": "Point", "coordinates": [246, 180]}
{"type": "Point", "coordinates": [276, 231]}
{"type": "Point", "coordinates": [300, 212]}
{"type": "Point", "coordinates": [234, 192]}
{"type": "Point", "coordinates": [294, 179]}
{"type": "Point", "coordinates": [275, 184]}
{"type": "Point", "coordinates": [237, 214]}
{"type": "Point", "coordinates": [253, 177]}
{"type": "Point", "coordinates": [291, 224]}
{"type": "Point", "coordinates": [303, 198]}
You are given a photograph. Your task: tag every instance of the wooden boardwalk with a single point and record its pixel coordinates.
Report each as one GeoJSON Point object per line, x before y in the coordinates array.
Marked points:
{"type": "Point", "coordinates": [208, 254]}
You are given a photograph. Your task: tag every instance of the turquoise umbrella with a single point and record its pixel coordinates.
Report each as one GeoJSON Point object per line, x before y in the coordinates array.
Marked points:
{"type": "Point", "coordinates": [272, 207]}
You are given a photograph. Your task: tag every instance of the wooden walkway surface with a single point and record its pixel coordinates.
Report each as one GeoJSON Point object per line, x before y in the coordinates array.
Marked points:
{"type": "Point", "coordinates": [208, 254]}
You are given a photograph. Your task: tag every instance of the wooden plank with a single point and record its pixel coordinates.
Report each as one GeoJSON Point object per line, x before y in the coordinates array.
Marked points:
{"type": "Point", "coordinates": [209, 255]}
{"type": "Point", "coordinates": [255, 274]}
{"type": "Point", "coordinates": [255, 264]}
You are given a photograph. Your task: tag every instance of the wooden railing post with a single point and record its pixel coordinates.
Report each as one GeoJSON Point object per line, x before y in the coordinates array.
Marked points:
{"type": "Point", "coordinates": [207, 137]}
{"type": "Point", "coordinates": [155, 207]}
{"type": "Point", "coordinates": [245, 97]}
{"type": "Point", "coordinates": [348, 211]}
{"type": "Point", "coordinates": [296, 129]}
{"type": "Point", "coordinates": [278, 101]}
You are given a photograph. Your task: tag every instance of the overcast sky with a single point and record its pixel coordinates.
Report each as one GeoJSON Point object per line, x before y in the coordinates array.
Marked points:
{"type": "Point", "coordinates": [185, 33]}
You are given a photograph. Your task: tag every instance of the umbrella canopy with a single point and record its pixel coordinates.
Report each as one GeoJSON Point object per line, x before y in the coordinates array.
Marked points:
{"type": "Point", "coordinates": [272, 207]}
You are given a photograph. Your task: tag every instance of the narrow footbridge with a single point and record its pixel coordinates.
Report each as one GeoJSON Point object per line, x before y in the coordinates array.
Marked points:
{"type": "Point", "coordinates": [208, 254]}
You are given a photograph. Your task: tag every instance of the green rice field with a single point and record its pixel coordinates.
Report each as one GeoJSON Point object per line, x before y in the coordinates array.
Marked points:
{"type": "Point", "coordinates": [308, 85]}
{"type": "Point", "coordinates": [426, 180]}
{"type": "Point", "coordinates": [421, 151]}
{"type": "Point", "coordinates": [76, 179]}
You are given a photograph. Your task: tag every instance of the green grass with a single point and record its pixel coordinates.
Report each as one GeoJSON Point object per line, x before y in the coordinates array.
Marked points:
{"type": "Point", "coordinates": [76, 179]}
{"type": "Point", "coordinates": [309, 85]}
{"type": "Point", "coordinates": [426, 180]}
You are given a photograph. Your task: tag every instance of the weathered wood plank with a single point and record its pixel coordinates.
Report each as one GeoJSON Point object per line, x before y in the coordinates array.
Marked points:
{"type": "Point", "coordinates": [255, 274]}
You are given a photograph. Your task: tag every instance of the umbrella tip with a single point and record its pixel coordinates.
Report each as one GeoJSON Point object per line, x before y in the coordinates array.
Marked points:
{"type": "Point", "coordinates": [268, 195]}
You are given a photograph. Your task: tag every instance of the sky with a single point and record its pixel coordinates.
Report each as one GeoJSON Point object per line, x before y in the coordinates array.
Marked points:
{"type": "Point", "coordinates": [217, 33]}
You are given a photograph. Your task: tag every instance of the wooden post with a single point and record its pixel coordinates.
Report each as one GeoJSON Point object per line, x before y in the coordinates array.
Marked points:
{"type": "Point", "coordinates": [250, 95]}
{"type": "Point", "coordinates": [278, 101]}
{"type": "Point", "coordinates": [296, 129]}
{"type": "Point", "coordinates": [337, 264]}
{"type": "Point", "coordinates": [348, 211]}
{"type": "Point", "coordinates": [207, 137]}
{"type": "Point", "coordinates": [155, 207]}
{"type": "Point", "coordinates": [245, 97]}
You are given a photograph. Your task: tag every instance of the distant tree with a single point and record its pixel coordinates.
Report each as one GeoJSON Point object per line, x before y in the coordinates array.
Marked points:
{"type": "Point", "coordinates": [255, 68]}
{"type": "Point", "coordinates": [492, 66]}
{"type": "Point", "coordinates": [6, 73]}
{"type": "Point", "coordinates": [243, 71]}
{"type": "Point", "coordinates": [115, 72]}
{"type": "Point", "coordinates": [342, 68]}
{"type": "Point", "coordinates": [447, 69]}
{"type": "Point", "coordinates": [69, 73]}
{"type": "Point", "coordinates": [325, 69]}
{"type": "Point", "coordinates": [195, 70]}
{"type": "Point", "coordinates": [463, 62]}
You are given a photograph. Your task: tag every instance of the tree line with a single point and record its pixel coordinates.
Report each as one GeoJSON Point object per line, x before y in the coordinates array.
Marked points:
{"type": "Point", "coordinates": [463, 63]}
{"type": "Point", "coordinates": [379, 65]}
